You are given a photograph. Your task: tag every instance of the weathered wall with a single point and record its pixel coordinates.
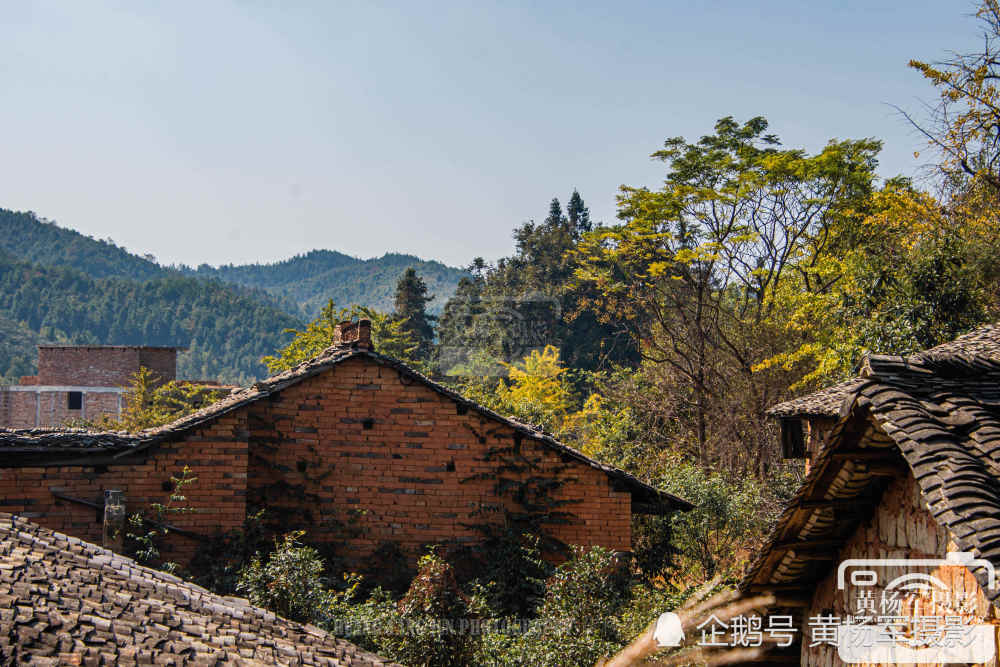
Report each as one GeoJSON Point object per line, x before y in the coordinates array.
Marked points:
{"type": "Point", "coordinates": [81, 366]}
{"type": "Point", "coordinates": [357, 456]}
{"type": "Point", "coordinates": [900, 528]}
{"type": "Point", "coordinates": [364, 440]}
{"type": "Point", "coordinates": [216, 455]}
{"type": "Point", "coordinates": [28, 409]}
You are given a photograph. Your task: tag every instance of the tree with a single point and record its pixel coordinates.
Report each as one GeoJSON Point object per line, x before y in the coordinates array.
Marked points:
{"type": "Point", "coordinates": [693, 267]}
{"type": "Point", "coordinates": [578, 214]}
{"type": "Point", "coordinates": [389, 337]}
{"type": "Point", "coordinates": [907, 274]}
{"type": "Point", "coordinates": [148, 405]}
{"type": "Point", "coordinates": [411, 311]}
{"type": "Point", "coordinates": [528, 301]}
{"type": "Point", "coordinates": [964, 125]}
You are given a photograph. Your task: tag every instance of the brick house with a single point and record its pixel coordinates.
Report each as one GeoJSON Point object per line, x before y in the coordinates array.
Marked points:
{"type": "Point", "coordinates": [903, 463]}
{"type": "Point", "coordinates": [354, 447]}
{"type": "Point", "coordinates": [65, 601]}
{"type": "Point", "coordinates": [80, 382]}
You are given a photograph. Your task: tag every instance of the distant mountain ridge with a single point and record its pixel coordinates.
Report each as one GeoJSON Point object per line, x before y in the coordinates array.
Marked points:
{"type": "Point", "coordinates": [57, 285]}
{"type": "Point", "coordinates": [308, 280]}
{"type": "Point", "coordinates": [318, 275]}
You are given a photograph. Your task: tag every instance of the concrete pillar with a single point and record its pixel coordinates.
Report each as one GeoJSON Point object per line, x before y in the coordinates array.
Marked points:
{"type": "Point", "coordinates": [114, 520]}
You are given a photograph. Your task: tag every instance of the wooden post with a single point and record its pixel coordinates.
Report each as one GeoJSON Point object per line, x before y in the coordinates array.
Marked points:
{"type": "Point", "coordinates": [114, 520]}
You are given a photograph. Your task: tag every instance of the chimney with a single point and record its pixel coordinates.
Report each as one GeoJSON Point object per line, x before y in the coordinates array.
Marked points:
{"type": "Point", "coordinates": [114, 520]}
{"type": "Point", "coordinates": [356, 335]}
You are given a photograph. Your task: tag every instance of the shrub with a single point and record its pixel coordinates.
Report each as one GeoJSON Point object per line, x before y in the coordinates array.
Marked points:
{"type": "Point", "coordinates": [575, 623]}
{"type": "Point", "coordinates": [289, 582]}
{"type": "Point", "coordinates": [511, 572]}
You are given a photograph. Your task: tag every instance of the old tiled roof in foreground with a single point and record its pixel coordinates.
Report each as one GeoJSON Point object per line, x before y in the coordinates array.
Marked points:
{"type": "Point", "coordinates": [936, 416]}
{"type": "Point", "coordinates": [983, 342]}
{"type": "Point", "coordinates": [65, 601]}
{"type": "Point", "coordinates": [120, 445]}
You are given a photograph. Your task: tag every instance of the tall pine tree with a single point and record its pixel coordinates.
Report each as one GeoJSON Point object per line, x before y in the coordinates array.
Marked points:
{"type": "Point", "coordinates": [411, 308]}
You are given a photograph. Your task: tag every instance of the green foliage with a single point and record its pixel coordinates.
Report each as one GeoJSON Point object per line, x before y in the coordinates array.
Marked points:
{"type": "Point", "coordinates": [289, 581]}
{"type": "Point", "coordinates": [730, 519]}
{"type": "Point", "coordinates": [906, 273]}
{"type": "Point", "coordinates": [312, 279]}
{"type": "Point", "coordinates": [40, 241]}
{"type": "Point", "coordinates": [510, 571]}
{"type": "Point", "coordinates": [226, 328]}
{"type": "Point", "coordinates": [526, 302]}
{"type": "Point", "coordinates": [152, 526]}
{"type": "Point", "coordinates": [389, 337]}
{"type": "Point", "coordinates": [693, 269]}
{"type": "Point", "coordinates": [18, 355]}
{"type": "Point", "coordinates": [576, 622]}
{"type": "Point", "coordinates": [410, 309]}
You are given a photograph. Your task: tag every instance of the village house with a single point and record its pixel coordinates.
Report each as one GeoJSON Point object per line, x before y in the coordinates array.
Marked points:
{"type": "Point", "coordinates": [67, 602]}
{"type": "Point", "coordinates": [81, 382]}
{"type": "Point", "coordinates": [903, 463]}
{"type": "Point", "coordinates": [355, 448]}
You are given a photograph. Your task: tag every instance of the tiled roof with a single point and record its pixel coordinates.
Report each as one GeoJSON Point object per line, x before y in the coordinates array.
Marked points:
{"type": "Point", "coordinates": [65, 601]}
{"type": "Point", "coordinates": [938, 414]}
{"type": "Point", "coordinates": [53, 441]}
{"type": "Point", "coordinates": [983, 342]}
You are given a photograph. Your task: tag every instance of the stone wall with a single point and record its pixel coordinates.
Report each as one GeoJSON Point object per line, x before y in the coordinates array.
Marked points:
{"type": "Point", "coordinates": [900, 528]}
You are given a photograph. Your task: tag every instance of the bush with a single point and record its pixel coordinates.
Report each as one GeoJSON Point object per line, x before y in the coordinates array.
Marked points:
{"type": "Point", "coordinates": [289, 582]}
{"type": "Point", "coordinates": [729, 520]}
{"type": "Point", "coordinates": [576, 622]}
{"type": "Point", "coordinates": [511, 573]}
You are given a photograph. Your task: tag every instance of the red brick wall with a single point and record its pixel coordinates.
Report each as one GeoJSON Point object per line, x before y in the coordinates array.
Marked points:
{"type": "Point", "coordinates": [307, 451]}
{"type": "Point", "coordinates": [102, 366]}
{"type": "Point", "coordinates": [216, 454]}
{"type": "Point", "coordinates": [312, 456]}
{"type": "Point", "coordinates": [163, 362]}
{"type": "Point", "coordinates": [20, 412]}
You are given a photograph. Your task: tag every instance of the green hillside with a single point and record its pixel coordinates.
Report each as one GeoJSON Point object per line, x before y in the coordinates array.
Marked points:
{"type": "Point", "coordinates": [57, 285]}
{"type": "Point", "coordinates": [33, 239]}
{"type": "Point", "coordinates": [226, 328]}
{"type": "Point", "coordinates": [311, 279]}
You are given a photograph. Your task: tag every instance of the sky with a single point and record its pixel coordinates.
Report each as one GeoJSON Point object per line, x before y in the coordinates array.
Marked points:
{"type": "Point", "coordinates": [250, 131]}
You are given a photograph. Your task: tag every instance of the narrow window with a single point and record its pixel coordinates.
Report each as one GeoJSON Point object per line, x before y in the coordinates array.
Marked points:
{"type": "Point", "coordinates": [74, 400]}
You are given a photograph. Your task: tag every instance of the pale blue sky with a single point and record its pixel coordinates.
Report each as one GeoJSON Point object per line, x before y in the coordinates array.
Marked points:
{"type": "Point", "coordinates": [250, 131]}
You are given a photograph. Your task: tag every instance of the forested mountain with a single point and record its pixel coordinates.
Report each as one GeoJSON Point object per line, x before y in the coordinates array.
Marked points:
{"type": "Point", "coordinates": [57, 285]}
{"type": "Point", "coordinates": [227, 329]}
{"type": "Point", "coordinates": [303, 284]}
{"type": "Point", "coordinates": [310, 280]}
{"type": "Point", "coordinates": [32, 239]}
{"type": "Point", "coordinates": [17, 349]}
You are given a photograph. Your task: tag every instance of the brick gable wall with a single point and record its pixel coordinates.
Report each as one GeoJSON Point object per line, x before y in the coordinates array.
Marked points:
{"type": "Point", "coordinates": [357, 456]}
{"type": "Point", "coordinates": [364, 440]}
